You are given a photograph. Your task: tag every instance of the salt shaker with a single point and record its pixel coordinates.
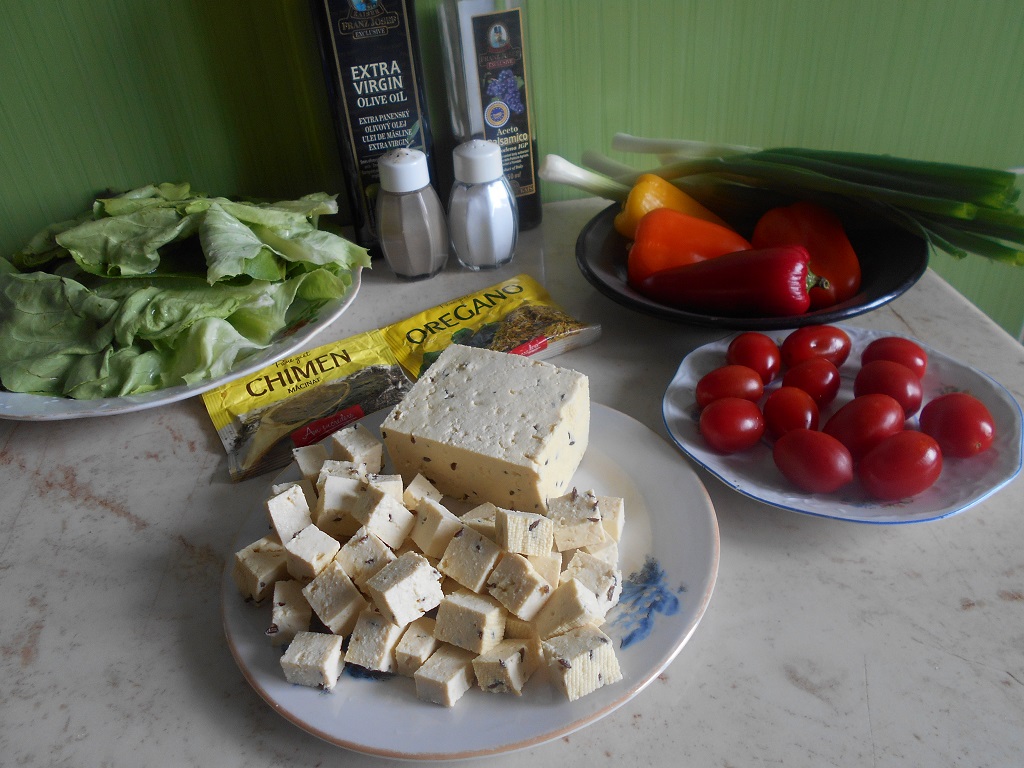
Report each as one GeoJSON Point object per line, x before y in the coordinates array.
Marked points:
{"type": "Point", "coordinates": [482, 217]}
{"type": "Point", "coordinates": [410, 219]}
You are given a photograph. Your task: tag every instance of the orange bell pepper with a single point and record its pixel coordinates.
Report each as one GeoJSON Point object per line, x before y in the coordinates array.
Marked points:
{"type": "Point", "coordinates": [650, 192]}
{"type": "Point", "coordinates": [666, 239]}
{"type": "Point", "coordinates": [821, 232]}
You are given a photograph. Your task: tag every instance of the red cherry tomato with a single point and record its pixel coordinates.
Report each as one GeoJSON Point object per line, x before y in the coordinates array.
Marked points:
{"type": "Point", "coordinates": [884, 377]}
{"type": "Point", "coordinates": [901, 466]}
{"type": "Point", "coordinates": [789, 408]}
{"type": "Point", "coordinates": [960, 423]}
{"type": "Point", "coordinates": [818, 377]}
{"type": "Point", "coordinates": [729, 381]}
{"type": "Point", "coordinates": [864, 422]}
{"type": "Point", "coordinates": [757, 351]}
{"type": "Point", "coordinates": [813, 461]}
{"type": "Point", "coordinates": [731, 424]}
{"type": "Point", "coordinates": [898, 350]}
{"type": "Point", "coordinates": [811, 341]}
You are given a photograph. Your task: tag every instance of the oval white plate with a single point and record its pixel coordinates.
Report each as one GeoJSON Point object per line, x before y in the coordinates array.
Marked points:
{"type": "Point", "coordinates": [669, 560]}
{"type": "Point", "coordinates": [962, 484]}
{"type": "Point", "coordinates": [20, 406]}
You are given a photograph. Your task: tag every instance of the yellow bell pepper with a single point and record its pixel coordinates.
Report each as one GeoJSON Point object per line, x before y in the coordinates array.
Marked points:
{"type": "Point", "coordinates": [650, 192]}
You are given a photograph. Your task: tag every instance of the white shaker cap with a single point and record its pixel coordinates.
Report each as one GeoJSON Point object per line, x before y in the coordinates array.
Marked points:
{"type": "Point", "coordinates": [477, 161]}
{"type": "Point", "coordinates": [403, 170]}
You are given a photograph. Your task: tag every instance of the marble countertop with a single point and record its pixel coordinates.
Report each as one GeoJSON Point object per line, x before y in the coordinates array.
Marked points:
{"type": "Point", "coordinates": [825, 644]}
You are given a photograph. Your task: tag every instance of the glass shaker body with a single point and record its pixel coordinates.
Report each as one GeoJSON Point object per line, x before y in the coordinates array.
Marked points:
{"type": "Point", "coordinates": [482, 212]}
{"type": "Point", "coordinates": [411, 223]}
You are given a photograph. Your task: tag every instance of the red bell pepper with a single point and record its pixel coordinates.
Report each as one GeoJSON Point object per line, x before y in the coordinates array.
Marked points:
{"type": "Point", "coordinates": [821, 232]}
{"type": "Point", "coordinates": [766, 282]}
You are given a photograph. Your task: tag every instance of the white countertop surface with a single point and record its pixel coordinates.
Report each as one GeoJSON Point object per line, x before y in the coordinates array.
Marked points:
{"type": "Point", "coordinates": [825, 644]}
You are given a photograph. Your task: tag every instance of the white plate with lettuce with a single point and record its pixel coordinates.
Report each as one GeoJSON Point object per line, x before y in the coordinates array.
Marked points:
{"type": "Point", "coordinates": [161, 294]}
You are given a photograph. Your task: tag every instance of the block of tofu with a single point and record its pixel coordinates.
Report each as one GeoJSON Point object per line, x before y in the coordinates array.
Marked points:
{"type": "Point", "coordinates": [435, 527]}
{"type": "Point", "coordinates": [288, 512]}
{"type": "Point", "coordinates": [613, 515]}
{"type": "Point", "coordinates": [525, 533]}
{"type": "Point", "coordinates": [469, 558]}
{"type": "Point", "coordinates": [358, 444]}
{"type": "Point", "coordinates": [385, 517]}
{"type": "Point", "coordinates": [577, 520]}
{"type": "Point", "coordinates": [258, 566]}
{"type": "Point", "coordinates": [420, 488]}
{"type": "Point", "coordinates": [515, 584]}
{"type": "Point", "coordinates": [445, 676]}
{"type": "Point", "coordinates": [489, 426]}
{"type": "Point", "coordinates": [291, 613]}
{"type": "Point", "coordinates": [308, 552]}
{"type": "Point", "coordinates": [581, 661]}
{"type": "Point", "coordinates": [570, 606]}
{"type": "Point", "coordinates": [335, 599]}
{"type": "Point", "coordinates": [339, 495]}
{"type": "Point", "coordinates": [392, 485]}
{"type": "Point", "coordinates": [309, 459]}
{"type": "Point", "coordinates": [405, 589]}
{"type": "Point", "coordinates": [372, 642]}
{"type": "Point", "coordinates": [314, 659]}
{"type": "Point", "coordinates": [336, 468]}
{"type": "Point", "coordinates": [600, 577]}
{"type": "Point", "coordinates": [506, 667]}
{"type": "Point", "coordinates": [471, 621]}
{"type": "Point", "coordinates": [307, 489]}
{"type": "Point", "coordinates": [548, 565]}
{"type": "Point", "coordinates": [415, 646]}
{"type": "Point", "coordinates": [607, 550]}
{"type": "Point", "coordinates": [362, 556]}
{"type": "Point", "coordinates": [481, 519]}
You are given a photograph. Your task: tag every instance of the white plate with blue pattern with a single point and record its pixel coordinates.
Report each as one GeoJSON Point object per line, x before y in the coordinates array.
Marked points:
{"type": "Point", "coordinates": [962, 484]}
{"type": "Point", "coordinates": [668, 554]}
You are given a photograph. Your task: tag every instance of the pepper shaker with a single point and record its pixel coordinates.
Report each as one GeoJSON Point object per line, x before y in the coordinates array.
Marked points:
{"type": "Point", "coordinates": [410, 219]}
{"type": "Point", "coordinates": [483, 219]}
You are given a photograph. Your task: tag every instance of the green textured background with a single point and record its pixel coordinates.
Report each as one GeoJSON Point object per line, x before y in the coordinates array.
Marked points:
{"type": "Point", "coordinates": [229, 95]}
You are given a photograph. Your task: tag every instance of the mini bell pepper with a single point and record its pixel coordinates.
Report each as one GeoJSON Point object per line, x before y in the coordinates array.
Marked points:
{"type": "Point", "coordinates": [767, 282]}
{"type": "Point", "coordinates": [650, 192]}
{"type": "Point", "coordinates": [821, 232]}
{"type": "Point", "coordinates": [666, 238]}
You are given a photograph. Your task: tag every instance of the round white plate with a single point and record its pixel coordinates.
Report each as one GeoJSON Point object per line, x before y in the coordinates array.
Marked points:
{"type": "Point", "coordinates": [25, 407]}
{"type": "Point", "coordinates": [669, 560]}
{"type": "Point", "coordinates": [962, 484]}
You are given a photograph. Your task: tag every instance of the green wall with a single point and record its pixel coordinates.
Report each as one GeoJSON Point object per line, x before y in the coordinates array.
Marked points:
{"type": "Point", "coordinates": [229, 94]}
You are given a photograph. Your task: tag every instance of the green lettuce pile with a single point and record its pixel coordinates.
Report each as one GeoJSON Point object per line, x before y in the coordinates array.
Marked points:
{"type": "Point", "coordinates": [161, 286]}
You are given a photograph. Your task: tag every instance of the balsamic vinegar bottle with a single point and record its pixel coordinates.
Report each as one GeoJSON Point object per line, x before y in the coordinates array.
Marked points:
{"type": "Point", "coordinates": [488, 89]}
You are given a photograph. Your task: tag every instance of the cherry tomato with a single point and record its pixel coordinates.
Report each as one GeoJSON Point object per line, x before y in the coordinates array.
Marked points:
{"type": "Point", "coordinates": [731, 424]}
{"type": "Point", "coordinates": [885, 377]}
{"type": "Point", "coordinates": [899, 350]}
{"type": "Point", "coordinates": [817, 377]}
{"type": "Point", "coordinates": [810, 341]}
{"type": "Point", "coordinates": [813, 461]}
{"type": "Point", "coordinates": [789, 408]}
{"type": "Point", "coordinates": [864, 422]}
{"type": "Point", "coordinates": [729, 381]}
{"type": "Point", "coordinates": [757, 351]}
{"type": "Point", "coordinates": [960, 423]}
{"type": "Point", "coordinates": [902, 465]}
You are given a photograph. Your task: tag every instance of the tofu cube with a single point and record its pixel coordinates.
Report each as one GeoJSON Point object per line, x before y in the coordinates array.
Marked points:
{"type": "Point", "coordinates": [420, 488]}
{"type": "Point", "coordinates": [601, 578]}
{"type": "Point", "coordinates": [549, 566]}
{"type": "Point", "coordinates": [525, 533]}
{"type": "Point", "coordinates": [358, 444]}
{"type": "Point", "coordinates": [577, 520]}
{"type": "Point", "coordinates": [518, 587]}
{"type": "Point", "coordinates": [314, 659]}
{"type": "Point", "coordinates": [405, 589]}
{"type": "Point", "coordinates": [309, 459]}
{"type": "Point", "coordinates": [291, 613]}
{"type": "Point", "coordinates": [309, 552]}
{"type": "Point", "coordinates": [613, 515]}
{"type": "Point", "coordinates": [258, 566]}
{"type": "Point", "coordinates": [435, 527]}
{"type": "Point", "coordinates": [471, 621]}
{"type": "Point", "coordinates": [415, 646]}
{"type": "Point", "coordinates": [607, 550]}
{"type": "Point", "coordinates": [339, 495]}
{"type": "Point", "coordinates": [390, 484]}
{"type": "Point", "coordinates": [372, 642]}
{"type": "Point", "coordinates": [335, 468]}
{"type": "Point", "coordinates": [362, 557]}
{"type": "Point", "coordinates": [288, 512]}
{"type": "Point", "coordinates": [469, 558]}
{"type": "Point", "coordinates": [384, 517]}
{"type": "Point", "coordinates": [445, 676]}
{"type": "Point", "coordinates": [482, 519]}
{"type": "Point", "coordinates": [335, 599]}
{"type": "Point", "coordinates": [570, 606]}
{"type": "Point", "coordinates": [489, 426]}
{"type": "Point", "coordinates": [581, 661]}
{"type": "Point", "coordinates": [307, 490]}
{"type": "Point", "coordinates": [506, 667]}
